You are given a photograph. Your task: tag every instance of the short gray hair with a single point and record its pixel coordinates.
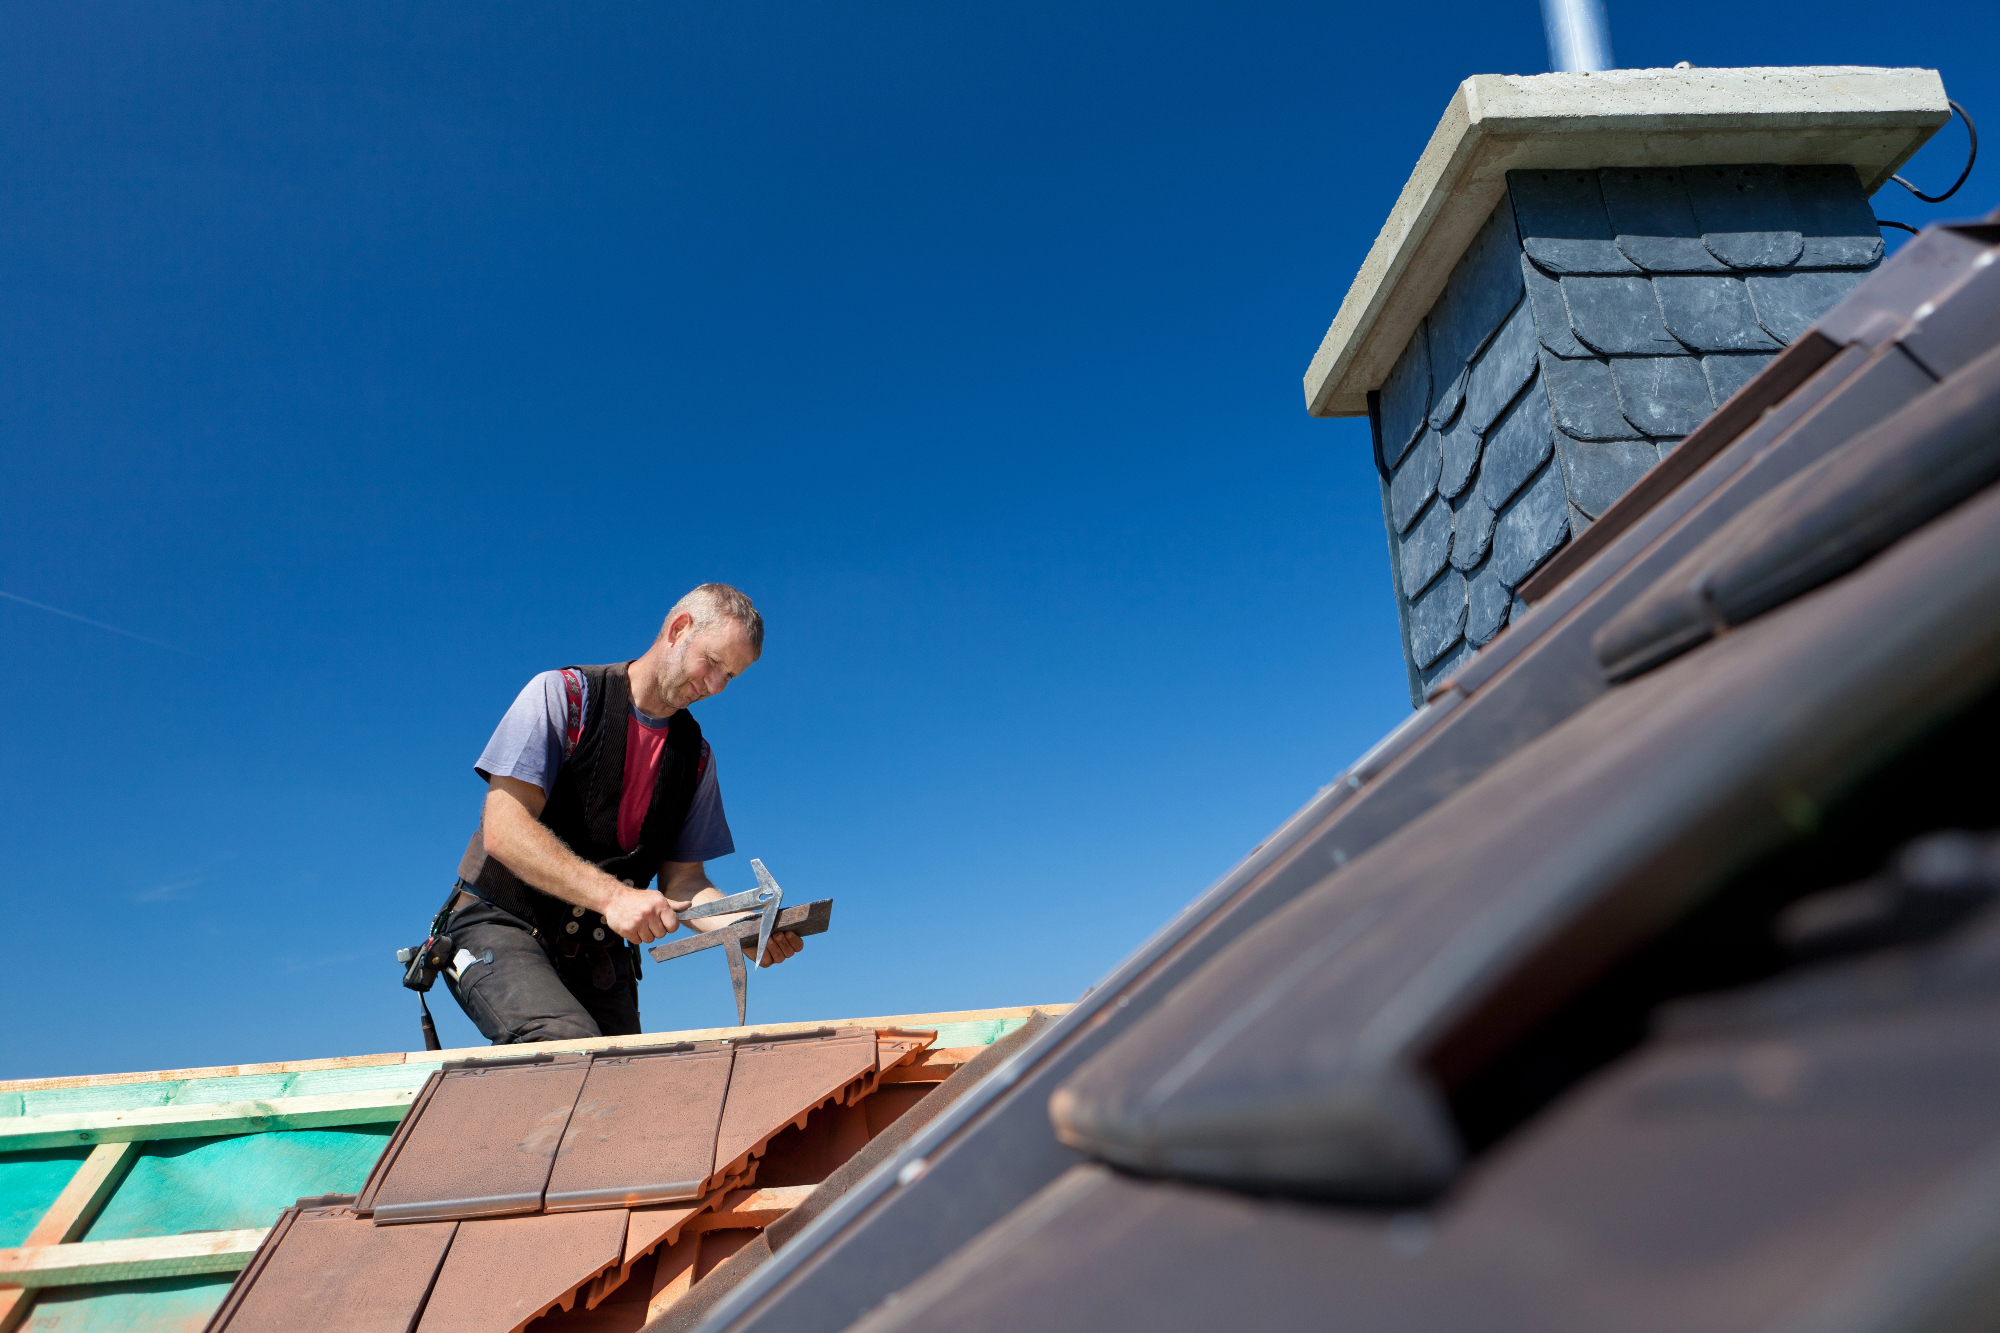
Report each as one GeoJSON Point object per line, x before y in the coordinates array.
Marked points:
{"type": "Point", "coordinates": [718, 601]}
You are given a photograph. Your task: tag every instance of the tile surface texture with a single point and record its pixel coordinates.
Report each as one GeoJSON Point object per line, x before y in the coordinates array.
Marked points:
{"type": "Point", "coordinates": [331, 1269]}
{"type": "Point", "coordinates": [1600, 314]}
{"type": "Point", "coordinates": [643, 1130]}
{"type": "Point", "coordinates": [502, 1272]}
{"type": "Point", "coordinates": [483, 1143]}
{"type": "Point", "coordinates": [775, 1084]}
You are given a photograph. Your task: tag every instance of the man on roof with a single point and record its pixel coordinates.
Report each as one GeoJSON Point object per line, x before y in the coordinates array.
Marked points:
{"type": "Point", "coordinates": [597, 780]}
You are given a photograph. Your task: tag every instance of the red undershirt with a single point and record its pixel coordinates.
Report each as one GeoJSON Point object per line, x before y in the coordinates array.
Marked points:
{"type": "Point", "coordinates": [643, 745]}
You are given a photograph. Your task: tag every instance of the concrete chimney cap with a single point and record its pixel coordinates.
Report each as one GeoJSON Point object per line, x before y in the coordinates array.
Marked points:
{"type": "Point", "coordinates": [1873, 119]}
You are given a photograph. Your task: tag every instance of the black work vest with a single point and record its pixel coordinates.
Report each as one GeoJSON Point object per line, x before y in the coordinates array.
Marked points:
{"type": "Point", "coordinates": [582, 811]}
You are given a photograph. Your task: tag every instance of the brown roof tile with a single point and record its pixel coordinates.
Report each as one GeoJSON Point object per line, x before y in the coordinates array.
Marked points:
{"type": "Point", "coordinates": [503, 1272]}
{"type": "Point", "coordinates": [777, 1083]}
{"type": "Point", "coordinates": [327, 1268]}
{"type": "Point", "coordinates": [895, 1048]}
{"type": "Point", "coordinates": [643, 1131]}
{"type": "Point", "coordinates": [482, 1144]}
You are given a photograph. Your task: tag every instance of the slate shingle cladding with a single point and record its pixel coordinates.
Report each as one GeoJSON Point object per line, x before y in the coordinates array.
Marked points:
{"type": "Point", "coordinates": [1595, 320]}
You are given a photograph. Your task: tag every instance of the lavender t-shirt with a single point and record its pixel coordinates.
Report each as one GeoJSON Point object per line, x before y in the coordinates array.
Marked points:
{"type": "Point", "coordinates": [528, 745]}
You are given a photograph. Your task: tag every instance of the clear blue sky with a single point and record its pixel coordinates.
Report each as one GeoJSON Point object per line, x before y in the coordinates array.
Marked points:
{"type": "Point", "coordinates": [373, 357]}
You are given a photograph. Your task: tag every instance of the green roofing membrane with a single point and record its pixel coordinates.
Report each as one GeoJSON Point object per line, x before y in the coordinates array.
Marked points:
{"type": "Point", "coordinates": [978, 1032]}
{"type": "Point", "coordinates": [245, 1180]}
{"type": "Point", "coordinates": [160, 1305]}
{"type": "Point", "coordinates": [29, 1183]}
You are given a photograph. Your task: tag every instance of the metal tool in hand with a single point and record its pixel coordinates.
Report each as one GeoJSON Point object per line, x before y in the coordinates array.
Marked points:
{"type": "Point", "coordinates": [767, 900]}
{"type": "Point", "coordinates": [767, 897]}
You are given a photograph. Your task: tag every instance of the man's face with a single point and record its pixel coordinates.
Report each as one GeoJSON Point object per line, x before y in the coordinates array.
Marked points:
{"type": "Point", "coordinates": [699, 663]}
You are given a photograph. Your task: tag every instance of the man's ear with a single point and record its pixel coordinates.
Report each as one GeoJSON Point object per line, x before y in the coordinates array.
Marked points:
{"type": "Point", "coordinates": [678, 626]}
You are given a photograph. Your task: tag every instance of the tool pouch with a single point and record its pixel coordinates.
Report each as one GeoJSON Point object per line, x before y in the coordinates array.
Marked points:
{"type": "Point", "coordinates": [422, 962]}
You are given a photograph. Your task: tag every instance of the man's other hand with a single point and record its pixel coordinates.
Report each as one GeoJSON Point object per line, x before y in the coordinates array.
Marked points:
{"type": "Point", "coordinates": [783, 945]}
{"type": "Point", "coordinates": [644, 915]}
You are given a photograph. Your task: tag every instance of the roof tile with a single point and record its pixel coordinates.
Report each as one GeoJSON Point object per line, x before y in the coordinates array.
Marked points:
{"type": "Point", "coordinates": [327, 1268]}
{"type": "Point", "coordinates": [1426, 548]}
{"type": "Point", "coordinates": [1617, 315]}
{"type": "Point", "coordinates": [1406, 397]}
{"type": "Point", "coordinates": [1502, 370]}
{"type": "Point", "coordinates": [1415, 482]}
{"type": "Point", "coordinates": [1437, 618]}
{"type": "Point", "coordinates": [1472, 531]}
{"type": "Point", "coordinates": [1661, 395]}
{"type": "Point", "coordinates": [1487, 603]}
{"type": "Point", "coordinates": [1460, 457]}
{"type": "Point", "coordinates": [482, 1142]}
{"type": "Point", "coordinates": [1787, 304]}
{"type": "Point", "coordinates": [1520, 443]}
{"type": "Point", "coordinates": [1711, 314]}
{"type": "Point", "coordinates": [1531, 528]}
{"type": "Point", "coordinates": [503, 1272]}
{"type": "Point", "coordinates": [1583, 398]}
{"type": "Point", "coordinates": [1834, 217]}
{"type": "Point", "coordinates": [643, 1130]}
{"type": "Point", "coordinates": [1599, 472]}
{"type": "Point", "coordinates": [1484, 285]}
{"type": "Point", "coordinates": [1746, 215]}
{"type": "Point", "coordinates": [1727, 372]}
{"type": "Point", "coordinates": [1551, 314]}
{"type": "Point", "coordinates": [1653, 221]}
{"type": "Point", "coordinates": [775, 1084]}
{"type": "Point", "coordinates": [1563, 224]}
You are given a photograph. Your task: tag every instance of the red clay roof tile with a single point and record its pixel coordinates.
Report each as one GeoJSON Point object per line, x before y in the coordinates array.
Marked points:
{"type": "Point", "coordinates": [505, 1271]}
{"type": "Point", "coordinates": [643, 1131]}
{"type": "Point", "coordinates": [327, 1268]}
{"type": "Point", "coordinates": [776, 1083]}
{"type": "Point", "coordinates": [483, 1144]}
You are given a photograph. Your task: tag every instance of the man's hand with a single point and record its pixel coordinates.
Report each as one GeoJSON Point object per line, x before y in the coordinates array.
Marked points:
{"type": "Point", "coordinates": [782, 946]}
{"type": "Point", "coordinates": [644, 915]}
{"type": "Point", "coordinates": [690, 878]}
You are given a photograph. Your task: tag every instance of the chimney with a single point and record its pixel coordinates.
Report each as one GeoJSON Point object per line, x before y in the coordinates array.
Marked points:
{"type": "Point", "coordinates": [1581, 268]}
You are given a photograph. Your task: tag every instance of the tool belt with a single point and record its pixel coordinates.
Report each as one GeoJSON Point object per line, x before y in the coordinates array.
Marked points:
{"type": "Point", "coordinates": [583, 940]}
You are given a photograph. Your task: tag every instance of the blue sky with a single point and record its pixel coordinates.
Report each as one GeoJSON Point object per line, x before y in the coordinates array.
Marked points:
{"type": "Point", "coordinates": [360, 361]}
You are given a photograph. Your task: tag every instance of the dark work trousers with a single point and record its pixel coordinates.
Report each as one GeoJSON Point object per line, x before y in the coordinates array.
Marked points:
{"type": "Point", "coordinates": [530, 993]}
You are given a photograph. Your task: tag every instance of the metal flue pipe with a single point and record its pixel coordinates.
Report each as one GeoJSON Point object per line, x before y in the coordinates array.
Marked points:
{"type": "Point", "coordinates": [1579, 36]}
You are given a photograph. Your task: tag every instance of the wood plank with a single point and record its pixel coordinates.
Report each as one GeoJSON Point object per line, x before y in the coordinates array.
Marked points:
{"type": "Point", "coordinates": [96, 1176]}
{"type": "Point", "coordinates": [201, 1071]}
{"type": "Point", "coordinates": [529, 1048]}
{"type": "Point", "coordinates": [199, 1121]}
{"type": "Point", "coordinates": [750, 1208]}
{"type": "Point", "coordinates": [128, 1260]}
{"type": "Point", "coordinates": [15, 1302]}
{"type": "Point", "coordinates": [674, 1275]}
{"type": "Point", "coordinates": [932, 1066]}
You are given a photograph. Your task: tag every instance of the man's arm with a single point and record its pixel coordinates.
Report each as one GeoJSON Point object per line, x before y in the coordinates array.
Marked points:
{"type": "Point", "coordinates": [689, 880]}
{"type": "Point", "coordinates": [516, 838]}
